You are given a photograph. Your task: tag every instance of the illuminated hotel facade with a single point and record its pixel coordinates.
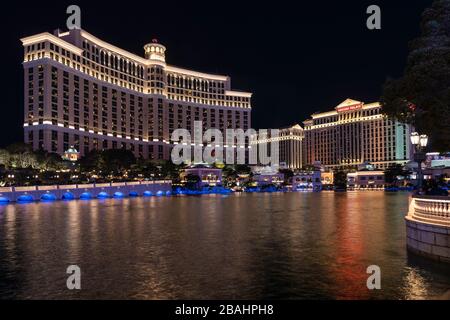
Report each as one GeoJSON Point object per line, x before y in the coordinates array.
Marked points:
{"type": "Point", "coordinates": [81, 91]}
{"type": "Point", "coordinates": [355, 133]}
{"type": "Point", "coordinates": [290, 146]}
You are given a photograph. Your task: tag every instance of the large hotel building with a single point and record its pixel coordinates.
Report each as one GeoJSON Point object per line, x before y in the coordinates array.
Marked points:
{"type": "Point", "coordinates": [354, 133]}
{"type": "Point", "coordinates": [290, 146]}
{"type": "Point", "coordinates": [81, 91]}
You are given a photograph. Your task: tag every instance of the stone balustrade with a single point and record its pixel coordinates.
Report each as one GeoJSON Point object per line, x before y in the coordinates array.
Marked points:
{"type": "Point", "coordinates": [428, 227]}
{"type": "Point", "coordinates": [431, 209]}
{"type": "Point", "coordinates": [13, 194]}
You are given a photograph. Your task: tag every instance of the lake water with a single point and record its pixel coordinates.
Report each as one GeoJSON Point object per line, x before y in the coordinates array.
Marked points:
{"type": "Point", "coordinates": [242, 246]}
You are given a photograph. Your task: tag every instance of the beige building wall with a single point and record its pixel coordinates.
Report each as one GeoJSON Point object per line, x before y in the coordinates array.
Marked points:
{"type": "Point", "coordinates": [354, 133]}
{"type": "Point", "coordinates": [81, 91]}
{"type": "Point", "coordinates": [290, 144]}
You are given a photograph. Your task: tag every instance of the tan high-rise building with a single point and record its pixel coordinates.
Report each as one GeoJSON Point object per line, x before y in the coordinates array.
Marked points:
{"type": "Point", "coordinates": [81, 91]}
{"type": "Point", "coordinates": [290, 143]}
{"type": "Point", "coordinates": [354, 133]}
{"type": "Point", "coordinates": [290, 148]}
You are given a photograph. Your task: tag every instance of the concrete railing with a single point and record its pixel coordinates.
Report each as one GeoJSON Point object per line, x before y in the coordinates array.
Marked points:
{"type": "Point", "coordinates": [81, 186]}
{"type": "Point", "coordinates": [12, 194]}
{"type": "Point", "coordinates": [428, 227]}
{"type": "Point", "coordinates": [430, 209]}
{"type": "Point", "coordinates": [24, 189]}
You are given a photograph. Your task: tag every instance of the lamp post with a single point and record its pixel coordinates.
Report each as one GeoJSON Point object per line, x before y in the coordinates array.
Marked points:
{"type": "Point", "coordinates": [420, 142]}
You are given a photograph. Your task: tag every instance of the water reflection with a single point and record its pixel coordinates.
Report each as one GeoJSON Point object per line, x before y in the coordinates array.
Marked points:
{"type": "Point", "coordinates": [247, 246]}
{"type": "Point", "coordinates": [415, 285]}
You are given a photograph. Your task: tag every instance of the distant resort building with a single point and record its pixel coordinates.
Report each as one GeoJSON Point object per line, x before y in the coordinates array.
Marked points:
{"type": "Point", "coordinates": [366, 180]}
{"type": "Point", "coordinates": [437, 173]}
{"type": "Point", "coordinates": [263, 176]}
{"type": "Point", "coordinates": [353, 133]}
{"type": "Point", "coordinates": [350, 135]}
{"type": "Point", "coordinates": [437, 160]}
{"type": "Point", "coordinates": [437, 166]}
{"type": "Point", "coordinates": [208, 175]}
{"type": "Point", "coordinates": [307, 181]}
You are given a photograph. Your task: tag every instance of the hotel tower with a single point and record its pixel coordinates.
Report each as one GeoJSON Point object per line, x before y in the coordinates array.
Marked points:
{"type": "Point", "coordinates": [290, 146]}
{"type": "Point", "coordinates": [84, 92]}
{"type": "Point", "coordinates": [354, 133]}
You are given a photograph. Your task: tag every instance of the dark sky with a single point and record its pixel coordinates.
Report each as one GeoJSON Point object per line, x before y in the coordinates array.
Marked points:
{"type": "Point", "coordinates": [297, 57]}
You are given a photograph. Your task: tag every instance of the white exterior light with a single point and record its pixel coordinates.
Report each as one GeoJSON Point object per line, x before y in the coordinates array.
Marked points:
{"type": "Point", "coordinates": [423, 140]}
{"type": "Point", "coordinates": [415, 138]}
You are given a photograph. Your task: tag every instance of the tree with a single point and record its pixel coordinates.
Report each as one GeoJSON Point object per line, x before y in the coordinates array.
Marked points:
{"type": "Point", "coordinates": [169, 170]}
{"type": "Point", "coordinates": [394, 171]}
{"type": "Point", "coordinates": [90, 162]}
{"type": "Point", "coordinates": [19, 155]}
{"type": "Point", "coordinates": [192, 181]}
{"type": "Point", "coordinates": [288, 174]}
{"type": "Point", "coordinates": [107, 162]}
{"type": "Point", "coordinates": [340, 179]}
{"type": "Point", "coordinates": [53, 162]}
{"type": "Point", "coordinates": [422, 96]}
{"type": "Point", "coordinates": [4, 157]}
{"type": "Point", "coordinates": [116, 161]}
{"type": "Point", "coordinates": [243, 169]}
{"type": "Point", "coordinates": [145, 168]}
{"type": "Point", "coordinates": [231, 173]}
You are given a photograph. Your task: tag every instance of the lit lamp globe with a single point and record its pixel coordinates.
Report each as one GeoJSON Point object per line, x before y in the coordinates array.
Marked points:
{"type": "Point", "coordinates": [415, 138]}
{"type": "Point", "coordinates": [423, 140]}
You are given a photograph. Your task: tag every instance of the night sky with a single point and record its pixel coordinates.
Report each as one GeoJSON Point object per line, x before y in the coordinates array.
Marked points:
{"type": "Point", "coordinates": [296, 57]}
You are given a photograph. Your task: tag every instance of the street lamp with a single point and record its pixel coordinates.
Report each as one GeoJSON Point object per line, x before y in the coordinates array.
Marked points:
{"type": "Point", "coordinates": [420, 142]}
{"type": "Point", "coordinates": [423, 140]}
{"type": "Point", "coordinates": [415, 138]}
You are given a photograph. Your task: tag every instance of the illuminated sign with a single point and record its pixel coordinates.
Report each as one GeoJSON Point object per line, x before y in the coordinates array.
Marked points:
{"type": "Point", "coordinates": [349, 105]}
{"type": "Point", "coordinates": [349, 108]}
